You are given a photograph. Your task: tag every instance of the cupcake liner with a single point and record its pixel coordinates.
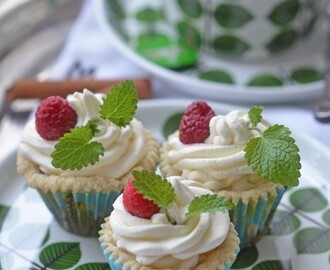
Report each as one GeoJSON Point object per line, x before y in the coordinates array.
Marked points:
{"type": "Point", "coordinates": [252, 216]}
{"type": "Point", "coordinates": [220, 258]}
{"type": "Point", "coordinates": [80, 203]}
{"type": "Point", "coordinates": [80, 213]}
{"type": "Point", "coordinates": [114, 265]}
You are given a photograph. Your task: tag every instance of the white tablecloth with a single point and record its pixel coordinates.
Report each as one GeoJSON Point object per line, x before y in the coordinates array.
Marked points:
{"type": "Point", "coordinates": [88, 52]}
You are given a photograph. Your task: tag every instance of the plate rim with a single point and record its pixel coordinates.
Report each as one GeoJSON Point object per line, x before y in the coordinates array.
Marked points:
{"type": "Point", "coordinates": [169, 103]}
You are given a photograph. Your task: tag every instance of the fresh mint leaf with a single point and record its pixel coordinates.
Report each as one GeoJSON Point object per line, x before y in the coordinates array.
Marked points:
{"type": "Point", "coordinates": [75, 149]}
{"type": "Point", "coordinates": [255, 115]}
{"type": "Point", "coordinates": [93, 126]}
{"type": "Point", "coordinates": [154, 188]}
{"type": "Point", "coordinates": [208, 203]}
{"type": "Point", "coordinates": [274, 156]}
{"type": "Point", "coordinates": [120, 104]}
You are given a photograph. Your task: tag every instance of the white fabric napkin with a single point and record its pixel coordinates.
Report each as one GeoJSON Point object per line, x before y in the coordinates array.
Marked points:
{"type": "Point", "coordinates": [88, 52]}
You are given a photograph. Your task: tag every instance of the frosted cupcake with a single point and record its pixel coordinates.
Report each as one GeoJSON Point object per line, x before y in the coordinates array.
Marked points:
{"type": "Point", "coordinates": [239, 156]}
{"type": "Point", "coordinates": [175, 224]}
{"type": "Point", "coordinates": [80, 151]}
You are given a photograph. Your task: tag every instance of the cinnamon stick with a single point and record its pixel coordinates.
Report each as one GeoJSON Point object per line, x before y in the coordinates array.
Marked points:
{"type": "Point", "coordinates": [32, 88]}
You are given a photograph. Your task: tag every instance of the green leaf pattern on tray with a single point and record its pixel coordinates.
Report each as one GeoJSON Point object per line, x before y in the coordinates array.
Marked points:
{"type": "Point", "coordinates": [299, 75]}
{"type": "Point", "coordinates": [192, 8]}
{"type": "Point", "coordinates": [273, 264]}
{"type": "Point", "coordinates": [93, 266]}
{"type": "Point", "coordinates": [284, 222]}
{"type": "Point", "coordinates": [232, 16]}
{"type": "Point", "coordinates": [308, 200]}
{"type": "Point", "coordinates": [312, 240]}
{"type": "Point", "coordinates": [265, 80]}
{"type": "Point", "coordinates": [60, 255]}
{"type": "Point", "coordinates": [189, 34]}
{"type": "Point", "coordinates": [282, 41]}
{"type": "Point", "coordinates": [217, 75]}
{"type": "Point", "coordinates": [230, 45]}
{"type": "Point", "coordinates": [326, 217]}
{"type": "Point", "coordinates": [290, 19]}
{"type": "Point", "coordinates": [3, 212]}
{"type": "Point", "coordinates": [284, 13]}
{"type": "Point", "coordinates": [247, 257]}
{"type": "Point", "coordinates": [307, 75]}
{"type": "Point", "coordinates": [150, 15]}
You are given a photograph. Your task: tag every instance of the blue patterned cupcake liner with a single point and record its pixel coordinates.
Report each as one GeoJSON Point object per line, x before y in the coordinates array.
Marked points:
{"type": "Point", "coordinates": [220, 258]}
{"type": "Point", "coordinates": [252, 217]}
{"type": "Point", "coordinates": [80, 213]}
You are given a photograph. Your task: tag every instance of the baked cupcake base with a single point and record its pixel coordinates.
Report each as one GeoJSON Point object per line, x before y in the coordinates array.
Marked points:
{"type": "Point", "coordinates": [220, 258]}
{"type": "Point", "coordinates": [80, 204]}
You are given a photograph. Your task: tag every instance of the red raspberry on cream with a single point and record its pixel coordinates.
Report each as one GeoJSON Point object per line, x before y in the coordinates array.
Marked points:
{"type": "Point", "coordinates": [194, 125]}
{"type": "Point", "coordinates": [135, 204]}
{"type": "Point", "coordinates": [54, 117]}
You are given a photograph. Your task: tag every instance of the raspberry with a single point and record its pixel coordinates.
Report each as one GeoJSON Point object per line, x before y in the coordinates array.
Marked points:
{"type": "Point", "coordinates": [194, 125]}
{"type": "Point", "coordinates": [135, 204]}
{"type": "Point", "coordinates": [54, 117]}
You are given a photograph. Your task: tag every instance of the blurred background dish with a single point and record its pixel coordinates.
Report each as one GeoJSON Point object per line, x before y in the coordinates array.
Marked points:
{"type": "Point", "coordinates": [33, 33]}
{"type": "Point", "coordinates": [143, 34]}
{"type": "Point", "coordinates": [248, 30]}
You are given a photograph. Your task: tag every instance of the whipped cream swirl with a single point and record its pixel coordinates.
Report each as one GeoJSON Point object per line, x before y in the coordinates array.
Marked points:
{"type": "Point", "coordinates": [175, 243]}
{"type": "Point", "coordinates": [123, 147]}
{"type": "Point", "coordinates": [219, 163]}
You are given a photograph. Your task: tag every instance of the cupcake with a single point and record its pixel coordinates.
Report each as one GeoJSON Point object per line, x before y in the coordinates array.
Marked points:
{"type": "Point", "coordinates": [170, 223]}
{"type": "Point", "coordinates": [79, 152]}
{"type": "Point", "coordinates": [239, 156]}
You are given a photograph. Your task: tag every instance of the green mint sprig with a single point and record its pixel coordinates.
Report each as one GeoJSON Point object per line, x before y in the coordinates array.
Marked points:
{"type": "Point", "coordinates": [120, 104]}
{"type": "Point", "coordinates": [75, 149]}
{"type": "Point", "coordinates": [255, 115]}
{"type": "Point", "coordinates": [208, 203]}
{"type": "Point", "coordinates": [154, 188]}
{"type": "Point", "coordinates": [274, 155]}
{"type": "Point", "coordinates": [161, 192]}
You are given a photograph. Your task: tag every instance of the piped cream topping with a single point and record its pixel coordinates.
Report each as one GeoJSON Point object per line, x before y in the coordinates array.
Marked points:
{"type": "Point", "coordinates": [123, 147]}
{"type": "Point", "coordinates": [219, 163]}
{"type": "Point", "coordinates": [170, 242]}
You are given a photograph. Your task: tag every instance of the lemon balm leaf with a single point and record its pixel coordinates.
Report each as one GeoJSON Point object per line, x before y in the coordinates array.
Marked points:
{"type": "Point", "coordinates": [120, 104]}
{"type": "Point", "coordinates": [154, 187]}
{"type": "Point", "coordinates": [75, 149]}
{"type": "Point", "coordinates": [208, 203]}
{"type": "Point", "coordinates": [274, 156]}
{"type": "Point", "coordinates": [255, 115]}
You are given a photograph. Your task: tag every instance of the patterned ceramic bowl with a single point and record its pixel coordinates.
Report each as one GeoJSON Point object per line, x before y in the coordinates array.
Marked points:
{"type": "Point", "coordinates": [243, 29]}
